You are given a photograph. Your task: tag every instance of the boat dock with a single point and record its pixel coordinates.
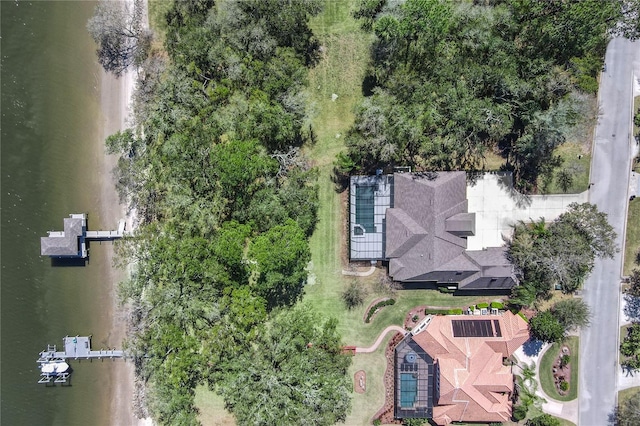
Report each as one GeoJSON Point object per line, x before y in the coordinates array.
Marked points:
{"type": "Point", "coordinates": [71, 243]}
{"type": "Point", "coordinates": [75, 348]}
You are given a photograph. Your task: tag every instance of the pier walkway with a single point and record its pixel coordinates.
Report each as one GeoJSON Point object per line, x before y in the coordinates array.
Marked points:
{"type": "Point", "coordinates": [53, 363]}
{"type": "Point", "coordinates": [78, 347]}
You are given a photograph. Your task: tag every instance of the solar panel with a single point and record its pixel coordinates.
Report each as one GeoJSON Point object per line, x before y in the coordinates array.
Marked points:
{"type": "Point", "coordinates": [474, 328]}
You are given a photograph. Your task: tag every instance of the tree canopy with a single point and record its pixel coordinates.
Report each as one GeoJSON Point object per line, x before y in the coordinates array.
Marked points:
{"type": "Point", "coordinates": [226, 204]}
{"type": "Point", "coordinates": [294, 362]}
{"type": "Point", "coordinates": [561, 253]}
{"type": "Point", "coordinates": [117, 29]}
{"type": "Point", "coordinates": [453, 81]}
{"type": "Point", "coordinates": [544, 326]}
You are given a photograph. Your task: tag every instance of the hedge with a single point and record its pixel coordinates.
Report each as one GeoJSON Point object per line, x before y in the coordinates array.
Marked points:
{"type": "Point", "coordinates": [378, 305]}
{"type": "Point", "coordinates": [523, 317]}
{"type": "Point", "coordinates": [446, 290]}
{"type": "Point", "coordinates": [497, 305]}
{"type": "Point", "coordinates": [482, 305]}
{"type": "Point", "coordinates": [443, 311]}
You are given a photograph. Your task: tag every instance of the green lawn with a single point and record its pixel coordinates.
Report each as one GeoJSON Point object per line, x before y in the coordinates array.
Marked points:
{"type": "Point", "coordinates": [212, 411]}
{"type": "Point", "coordinates": [157, 19]}
{"type": "Point", "coordinates": [546, 373]}
{"type": "Point", "coordinates": [632, 241]}
{"type": "Point", "coordinates": [577, 162]}
{"type": "Point", "coordinates": [623, 395]}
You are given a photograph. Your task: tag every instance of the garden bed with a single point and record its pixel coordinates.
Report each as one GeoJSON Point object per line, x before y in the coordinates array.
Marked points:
{"type": "Point", "coordinates": [559, 365]}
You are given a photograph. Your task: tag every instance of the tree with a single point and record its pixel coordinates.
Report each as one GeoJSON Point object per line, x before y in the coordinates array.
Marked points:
{"type": "Point", "coordinates": [572, 313]}
{"type": "Point", "coordinates": [543, 420]}
{"type": "Point", "coordinates": [629, 411]}
{"type": "Point", "coordinates": [353, 295]}
{"type": "Point", "coordinates": [293, 373]}
{"type": "Point", "coordinates": [562, 252]}
{"type": "Point", "coordinates": [565, 180]}
{"type": "Point", "coordinates": [633, 289]}
{"type": "Point", "coordinates": [281, 255]}
{"type": "Point", "coordinates": [528, 372]}
{"type": "Point", "coordinates": [544, 326]}
{"type": "Point", "coordinates": [630, 347]}
{"type": "Point", "coordinates": [593, 225]}
{"type": "Point", "coordinates": [117, 29]}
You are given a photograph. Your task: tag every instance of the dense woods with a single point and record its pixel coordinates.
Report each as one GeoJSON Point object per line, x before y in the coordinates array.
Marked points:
{"type": "Point", "coordinates": [226, 203]}
{"type": "Point", "coordinates": [450, 82]}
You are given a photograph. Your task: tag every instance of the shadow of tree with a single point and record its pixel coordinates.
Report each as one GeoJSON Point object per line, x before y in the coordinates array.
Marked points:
{"type": "Point", "coordinates": [532, 347]}
{"type": "Point", "coordinates": [613, 417]}
{"type": "Point", "coordinates": [632, 308]}
{"type": "Point", "coordinates": [505, 182]}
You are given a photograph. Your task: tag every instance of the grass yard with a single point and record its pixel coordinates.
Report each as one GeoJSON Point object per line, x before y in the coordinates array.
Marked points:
{"type": "Point", "coordinates": [632, 241]}
{"type": "Point", "coordinates": [546, 374]}
{"type": "Point", "coordinates": [576, 162]}
{"type": "Point", "coordinates": [623, 395]}
{"type": "Point", "coordinates": [212, 411]}
{"type": "Point", "coordinates": [157, 21]}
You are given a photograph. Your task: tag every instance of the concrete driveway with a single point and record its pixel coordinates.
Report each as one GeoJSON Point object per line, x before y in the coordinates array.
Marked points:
{"type": "Point", "coordinates": [498, 206]}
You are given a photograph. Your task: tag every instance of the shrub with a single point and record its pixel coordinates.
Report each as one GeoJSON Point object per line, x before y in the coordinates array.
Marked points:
{"type": "Point", "coordinates": [443, 311]}
{"type": "Point", "coordinates": [377, 306]}
{"type": "Point", "coordinates": [353, 295]}
{"type": "Point", "coordinates": [519, 413]}
{"type": "Point", "coordinates": [446, 290]}
{"type": "Point", "coordinates": [482, 305]}
{"type": "Point", "coordinates": [564, 360]}
{"type": "Point", "coordinates": [377, 422]}
{"type": "Point", "coordinates": [497, 305]}
{"type": "Point", "coordinates": [521, 315]}
{"type": "Point", "coordinates": [564, 386]}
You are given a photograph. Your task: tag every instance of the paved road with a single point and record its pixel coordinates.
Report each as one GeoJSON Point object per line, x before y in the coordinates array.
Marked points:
{"type": "Point", "coordinates": [610, 177]}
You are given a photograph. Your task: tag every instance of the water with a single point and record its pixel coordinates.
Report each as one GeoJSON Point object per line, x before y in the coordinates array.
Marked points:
{"type": "Point", "coordinates": [50, 167]}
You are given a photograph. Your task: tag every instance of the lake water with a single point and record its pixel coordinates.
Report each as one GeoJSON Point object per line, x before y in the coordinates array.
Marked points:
{"type": "Point", "coordinates": [51, 149]}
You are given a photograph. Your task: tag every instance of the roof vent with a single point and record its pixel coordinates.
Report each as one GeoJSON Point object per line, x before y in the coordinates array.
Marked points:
{"type": "Point", "coordinates": [411, 357]}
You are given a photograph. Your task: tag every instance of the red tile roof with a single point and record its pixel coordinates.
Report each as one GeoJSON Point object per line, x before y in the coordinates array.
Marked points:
{"type": "Point", "coordinates": [474, 384]}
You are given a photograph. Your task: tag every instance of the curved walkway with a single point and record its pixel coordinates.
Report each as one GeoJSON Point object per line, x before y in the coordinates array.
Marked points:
{"type": "Point", "coordinates": [360, 274]}
{"type": "Point", "coordinates": [381, 337]}
{"type": "Point", "coordinates": [568, 410]}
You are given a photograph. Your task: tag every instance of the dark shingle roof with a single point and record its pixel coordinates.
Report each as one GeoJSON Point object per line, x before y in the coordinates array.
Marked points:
{"type": "Point", "coordinates": [425, 230]}
{"type": "Point", "coordinates": [66, 245]}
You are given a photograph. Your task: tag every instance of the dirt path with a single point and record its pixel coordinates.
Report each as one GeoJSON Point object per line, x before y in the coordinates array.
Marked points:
{"type": "Point", "coordinates": [382, 335]}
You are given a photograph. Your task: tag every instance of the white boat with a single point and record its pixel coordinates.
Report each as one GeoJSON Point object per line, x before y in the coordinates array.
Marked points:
{"type": "Point", "coordinates": [54, 368]}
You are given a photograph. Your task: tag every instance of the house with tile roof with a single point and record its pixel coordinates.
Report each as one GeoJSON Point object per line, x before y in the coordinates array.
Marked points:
{"type": "Point", "coordinates": [418, 223]}
{"type": "Point", "coordinates": [451, 369]}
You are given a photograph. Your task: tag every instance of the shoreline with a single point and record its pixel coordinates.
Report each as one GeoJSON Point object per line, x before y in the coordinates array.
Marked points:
{"type": "Point", "coordinates": [115, 104]}
{"type": "Point", "coordinates": [115, 98]}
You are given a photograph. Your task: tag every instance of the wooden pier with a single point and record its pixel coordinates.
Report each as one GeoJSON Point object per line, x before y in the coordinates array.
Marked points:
{"type": "Point", "coordinates": [71, 243]}
{"type": "Point", "coordinates": [75, 348]}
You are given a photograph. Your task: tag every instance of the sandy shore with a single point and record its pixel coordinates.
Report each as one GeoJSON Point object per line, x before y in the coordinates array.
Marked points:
{"type": "Point", "coordinates": [116, 95]}
{"type": "Point", "coordinates": [115, 103]}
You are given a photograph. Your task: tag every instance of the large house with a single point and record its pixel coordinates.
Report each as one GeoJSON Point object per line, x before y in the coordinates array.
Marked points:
{"type": "Point", "coordinates": [419, 224]}
{"type": "Point", "coordinates": [450, 369]}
